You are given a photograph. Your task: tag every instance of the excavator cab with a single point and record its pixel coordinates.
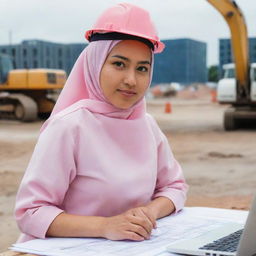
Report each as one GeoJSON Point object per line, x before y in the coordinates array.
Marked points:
{"type": "Point", "coordinates": [5, 67]}
{"type": "Point", "coordinates": [229, 70]}
{"type": "Point", "coordinates": [227, 92]}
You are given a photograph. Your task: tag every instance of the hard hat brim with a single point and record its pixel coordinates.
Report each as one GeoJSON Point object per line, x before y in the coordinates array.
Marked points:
{"type": "Point", "coordinates": [158, 45]}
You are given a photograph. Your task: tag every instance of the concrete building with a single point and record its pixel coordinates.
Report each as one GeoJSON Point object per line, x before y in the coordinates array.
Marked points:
{"type": "Point", "coordinates": [42, 54]}
{"type": "Point", "coordinates": [225, 51]}
{"type": "Point", "coordinates": [182, 61]}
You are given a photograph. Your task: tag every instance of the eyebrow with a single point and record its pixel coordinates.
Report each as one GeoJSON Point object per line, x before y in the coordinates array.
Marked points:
{"type": "Point", "coordinates": [126, 59]}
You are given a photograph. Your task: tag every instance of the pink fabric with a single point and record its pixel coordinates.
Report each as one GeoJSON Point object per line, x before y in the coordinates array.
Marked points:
{"type": "Point", "coordinates": [90, 164]}
{"type": "Point", "coordinates": [95, 159]}
{"type": "Point", "coordinates": [83, 83]}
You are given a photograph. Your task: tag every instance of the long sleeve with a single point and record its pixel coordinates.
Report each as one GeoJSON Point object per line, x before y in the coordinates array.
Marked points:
{"type": "Point", "coordinates": [50, 171]}
{"type": "Point", "coordinates": [170, 180]}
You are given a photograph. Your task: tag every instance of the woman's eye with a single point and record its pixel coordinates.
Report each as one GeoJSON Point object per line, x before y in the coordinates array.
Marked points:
{"type": "Point", "coordinates": [119, 64]}
{"type": "Point", "coordinates": [143, 69]}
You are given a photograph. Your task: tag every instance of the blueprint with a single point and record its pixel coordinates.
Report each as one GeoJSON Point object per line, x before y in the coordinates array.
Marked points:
{"type": "Point", "coordinates": [190, 222]}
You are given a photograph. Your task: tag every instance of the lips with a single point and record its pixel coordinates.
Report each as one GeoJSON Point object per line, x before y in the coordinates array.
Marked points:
{"type": "Point", "coordinates": [127, 92]}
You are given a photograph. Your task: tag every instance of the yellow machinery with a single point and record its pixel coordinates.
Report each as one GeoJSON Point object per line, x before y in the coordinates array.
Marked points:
{"type": "Point", "coordinates": [238, 87]}
{"type": "Point", "coordinates": [26, 94]}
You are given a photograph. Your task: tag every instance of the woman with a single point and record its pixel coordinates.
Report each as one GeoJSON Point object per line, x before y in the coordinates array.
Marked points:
{"type": "Point", "coordinates": [102, 167]}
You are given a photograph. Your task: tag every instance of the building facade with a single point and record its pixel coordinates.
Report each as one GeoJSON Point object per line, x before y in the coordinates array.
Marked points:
{"type": "Point", "coordinates": [182, 61]}
{"type": "Point", "coordinates": [42, 54]}
{"type": "Point", "coordinates": [226, 55]}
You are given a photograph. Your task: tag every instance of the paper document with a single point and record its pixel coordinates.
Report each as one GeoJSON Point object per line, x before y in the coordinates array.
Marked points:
{"type": "Point", "coordinates": [191, 222]}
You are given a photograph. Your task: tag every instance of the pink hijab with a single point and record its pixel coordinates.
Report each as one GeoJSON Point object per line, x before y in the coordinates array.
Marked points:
{"type": "Point", "coordinates": [83, 90]}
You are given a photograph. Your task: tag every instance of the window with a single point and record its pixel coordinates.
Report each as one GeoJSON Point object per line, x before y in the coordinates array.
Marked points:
{"type": "Point", "coordinates": [35, 64]}
{"type": "Point", "coordinates": [229, 73]}
{"type": "Point", "coordinates": [51, 77]}
{"type": "Point", "coordinates": [6, 65]}
{"type": "Point", "coordinates": [24, 52]}
{"type": "Point", "coordinates": [60, 52]}
{"type": "Point", "coordinates": [68, 53]}
{"type": "Point", "coordinates": [34, 52]}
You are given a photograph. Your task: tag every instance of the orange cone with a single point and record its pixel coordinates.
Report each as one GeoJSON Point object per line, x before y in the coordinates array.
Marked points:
{"type": "Point", "coordinates": [168, 107]}
{"type": "Point", "coordinates": [214, 96]}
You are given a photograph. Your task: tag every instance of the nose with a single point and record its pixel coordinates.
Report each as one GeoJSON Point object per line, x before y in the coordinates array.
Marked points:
{"type": "Point", "coordinates": [130, 78]}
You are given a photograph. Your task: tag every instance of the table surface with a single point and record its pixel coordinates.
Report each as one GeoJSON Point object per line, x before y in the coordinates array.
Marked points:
{"type": "Point", "coordinates": [12, 253]}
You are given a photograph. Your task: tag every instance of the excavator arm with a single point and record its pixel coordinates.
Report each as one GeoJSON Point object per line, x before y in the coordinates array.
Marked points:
{"type": "Point", "coordinates": [239, 38]}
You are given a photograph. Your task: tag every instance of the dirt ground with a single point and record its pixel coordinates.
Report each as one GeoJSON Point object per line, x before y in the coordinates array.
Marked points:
{"type": "Point", "coordinates": [219, 166]}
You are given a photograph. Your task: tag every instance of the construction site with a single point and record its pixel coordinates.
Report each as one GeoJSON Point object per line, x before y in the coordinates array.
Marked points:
{"type": "Point", "coordinates": [218, 165]}
{"type": "Point", "coordinates": [211, 131]}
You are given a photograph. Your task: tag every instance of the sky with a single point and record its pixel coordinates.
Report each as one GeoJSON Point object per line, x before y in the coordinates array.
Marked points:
{"type": "Point", "coordinates": [65, 21]}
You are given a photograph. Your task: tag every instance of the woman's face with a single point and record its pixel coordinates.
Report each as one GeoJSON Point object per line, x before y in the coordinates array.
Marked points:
{"type": "Point", "coordinates": [125, 75]}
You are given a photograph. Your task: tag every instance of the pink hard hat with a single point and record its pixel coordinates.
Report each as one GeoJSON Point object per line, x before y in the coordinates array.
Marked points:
{"type": "Point", "coordinates": [126, 19]}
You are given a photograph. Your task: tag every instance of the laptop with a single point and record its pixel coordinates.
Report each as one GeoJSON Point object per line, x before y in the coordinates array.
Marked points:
{"type": "Point", "coordinates": [232, 239]}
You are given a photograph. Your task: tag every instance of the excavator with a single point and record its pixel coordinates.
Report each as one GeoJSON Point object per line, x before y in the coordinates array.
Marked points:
{"type": "Point", "coordinates": [238, 86]}
{"type": "Point", "coordinates": [28, 94]}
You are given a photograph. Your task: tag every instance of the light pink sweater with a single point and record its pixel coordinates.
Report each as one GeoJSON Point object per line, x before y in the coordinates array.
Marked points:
{"type": "Point", "coordinates": [89, 164]}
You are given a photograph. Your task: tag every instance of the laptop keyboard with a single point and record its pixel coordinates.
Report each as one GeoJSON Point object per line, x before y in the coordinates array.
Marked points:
{"type": "Point", "coordinates": [227, 243]}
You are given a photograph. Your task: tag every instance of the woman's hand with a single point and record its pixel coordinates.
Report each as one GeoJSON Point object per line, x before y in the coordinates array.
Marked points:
{"type": "Point", "coordinates": [144, 212]}
{"type": "Point", "coordinates": [135, 224]}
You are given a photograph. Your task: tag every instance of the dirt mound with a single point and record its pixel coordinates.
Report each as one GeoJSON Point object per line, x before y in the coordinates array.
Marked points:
{"type": "Point", "coordinates": [195, 91]}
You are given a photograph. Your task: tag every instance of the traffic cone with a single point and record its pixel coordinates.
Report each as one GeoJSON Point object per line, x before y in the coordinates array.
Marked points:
{"type": "Point", "coordinates": [214, 96]}
{"type": "Point", "coordinates": [168, 107]}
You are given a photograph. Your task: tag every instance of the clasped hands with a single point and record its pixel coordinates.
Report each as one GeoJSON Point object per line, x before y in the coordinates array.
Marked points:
{"type": "Point", "coordinates": [135, 224]}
